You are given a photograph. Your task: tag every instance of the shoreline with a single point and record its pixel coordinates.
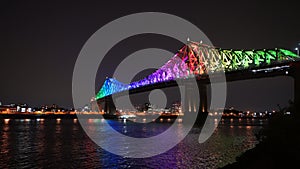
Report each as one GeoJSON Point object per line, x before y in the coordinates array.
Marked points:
{"type": "Point", "coordinates": [97, 116]}
{"type": "Point", "coordinates": [72, 116]}
{"type": "Point", "coordinates": [54, 116]}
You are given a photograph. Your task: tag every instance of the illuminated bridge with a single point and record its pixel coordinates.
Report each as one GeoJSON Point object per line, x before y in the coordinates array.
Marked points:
{"type": "Point", "coordinates": [199, 60]}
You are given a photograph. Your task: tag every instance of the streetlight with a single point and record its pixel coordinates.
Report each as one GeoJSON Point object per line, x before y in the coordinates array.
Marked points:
{"type": "Point", "coordinates": [297, 49]}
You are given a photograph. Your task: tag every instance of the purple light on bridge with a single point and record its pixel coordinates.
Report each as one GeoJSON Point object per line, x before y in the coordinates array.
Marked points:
{"type": "Point", "coordinates": [175, 68]}
{"type": "Point", "coordinates": [198, 59]}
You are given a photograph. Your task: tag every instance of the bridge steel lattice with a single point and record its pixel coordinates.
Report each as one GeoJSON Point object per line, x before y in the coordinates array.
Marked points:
{"type": "Point", "coordinates": [197, 59]}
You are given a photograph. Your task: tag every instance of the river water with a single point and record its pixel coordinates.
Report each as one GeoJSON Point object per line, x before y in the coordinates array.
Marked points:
{"type": "Point", "coordinates": [62, 143]}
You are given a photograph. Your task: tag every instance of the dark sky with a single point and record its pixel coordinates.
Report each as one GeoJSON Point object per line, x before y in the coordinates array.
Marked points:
{"type": "Point", "coordinates": [41, 40]}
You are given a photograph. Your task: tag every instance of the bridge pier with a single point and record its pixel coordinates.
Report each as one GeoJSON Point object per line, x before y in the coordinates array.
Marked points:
{"type": "Point", "coordinates": [107, 105]}
{"type": "Point", "coordinates": [189, 105]}
{"type": "Point", "coordinates": [203, 98]}
{"type": "Point", "coordinates": [191, 101]}
{"type": "Point", "coordinates": [110, 107]}
{"type": "Point", "coordinates": [296, 75]}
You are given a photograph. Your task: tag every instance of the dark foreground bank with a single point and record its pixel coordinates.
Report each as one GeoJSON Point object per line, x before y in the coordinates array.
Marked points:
{"type": "Point", "coordinates": [278, 147]}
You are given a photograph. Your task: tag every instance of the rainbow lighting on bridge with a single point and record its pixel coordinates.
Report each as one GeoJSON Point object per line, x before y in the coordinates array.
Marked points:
{"type": "Point", "coordinates": [199, 59]}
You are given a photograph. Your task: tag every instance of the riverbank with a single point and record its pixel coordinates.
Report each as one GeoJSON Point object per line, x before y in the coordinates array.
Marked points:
{"type": "Point", "coordinates": [278, 146]}
{"type": "Point", "coordinates": [84, 116]}
{"type": "Point", "coordinates": [55, 116]}
{"type": "Point", "coordinates": [200, 119]}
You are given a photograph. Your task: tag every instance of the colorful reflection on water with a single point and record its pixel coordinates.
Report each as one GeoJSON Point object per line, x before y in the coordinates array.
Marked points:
{"type": "Point", "coordinates": [61, 143]}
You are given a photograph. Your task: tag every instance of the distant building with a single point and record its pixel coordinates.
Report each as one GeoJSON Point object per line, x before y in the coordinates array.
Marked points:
{"type": "Point", "coordinates": [8, 109]}
{"type": "Point", "coordinates": [94, 105]}
{"type": "Point", "coordinates": [176, 107]}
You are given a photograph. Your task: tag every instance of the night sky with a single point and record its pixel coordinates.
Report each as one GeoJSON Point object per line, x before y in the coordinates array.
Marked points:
{"type": "Point", "coordinates": [41, 40]}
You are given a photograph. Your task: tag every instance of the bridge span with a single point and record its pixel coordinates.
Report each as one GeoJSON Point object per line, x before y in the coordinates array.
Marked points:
{"type": "Point", "coordinates": [196, 60]}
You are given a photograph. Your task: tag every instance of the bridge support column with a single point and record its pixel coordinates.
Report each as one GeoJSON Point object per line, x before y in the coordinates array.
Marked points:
{"type": "Point", "coordinates": [101, 105]}
{"type": "Point", "coordinates": [107, 105]}
{"type": "Point", "coordinates": [296, 76]}
{"type": "Point", "coordinates": [192, 103]}
{"type": "Point", "coordinates": [203, 98]}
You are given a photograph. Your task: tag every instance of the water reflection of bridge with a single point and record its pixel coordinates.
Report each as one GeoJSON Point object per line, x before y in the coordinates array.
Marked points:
{"type": "Point", "coordinates": [195, 60]}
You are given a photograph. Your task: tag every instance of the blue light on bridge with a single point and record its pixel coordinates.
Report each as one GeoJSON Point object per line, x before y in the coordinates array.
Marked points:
{"type": "Point", "coordinates": [193, 58]}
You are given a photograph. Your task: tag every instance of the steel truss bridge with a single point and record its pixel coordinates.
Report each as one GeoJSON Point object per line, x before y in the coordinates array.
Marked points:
{"type": "Point", "coordinates": [201, 61]}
